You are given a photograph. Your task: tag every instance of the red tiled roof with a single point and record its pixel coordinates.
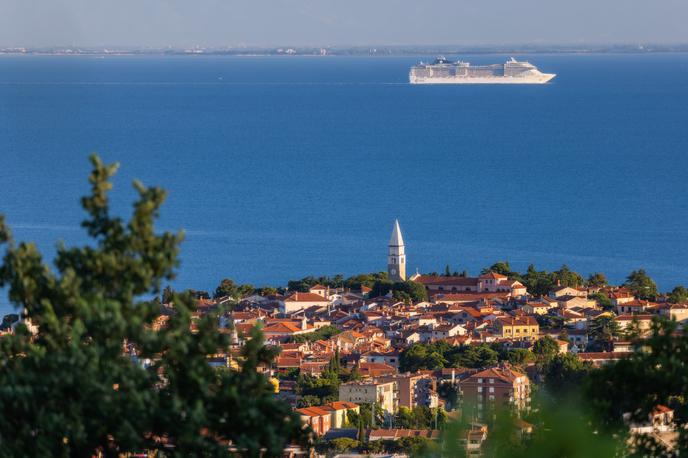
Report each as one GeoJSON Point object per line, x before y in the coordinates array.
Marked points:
{"type": "Point", "coordinates": [313, 411]}
{"type": "Point", "coordinates": [506, 375]}
{"type": "Point", "coordinates": [341, 405]}
{"type": "Point", "coordinates": [282, 328]}
{"type": "Point", "coordinates": [449, 281]}
{"type": "Point", "coordinates": [526, 320]}
{"type": "Point", "coordinates": [493, 276]}
{"type": "Point", "coordinates": [305, 297]}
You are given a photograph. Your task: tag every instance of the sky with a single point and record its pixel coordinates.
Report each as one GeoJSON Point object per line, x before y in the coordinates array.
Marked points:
{"type": "Point", "coordinates": [186, 23]}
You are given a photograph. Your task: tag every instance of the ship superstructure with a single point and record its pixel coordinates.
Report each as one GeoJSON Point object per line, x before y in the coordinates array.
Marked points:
{"type": "Point", "coordinates": [442, 71]}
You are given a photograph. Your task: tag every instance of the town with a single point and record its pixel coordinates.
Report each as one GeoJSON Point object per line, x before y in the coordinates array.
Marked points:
{"type": "Point", "coordinates": [382, 363]}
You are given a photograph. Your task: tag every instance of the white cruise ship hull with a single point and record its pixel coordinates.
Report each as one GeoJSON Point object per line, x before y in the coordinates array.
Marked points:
{"type": "Point", "coordinates": [542, 78]}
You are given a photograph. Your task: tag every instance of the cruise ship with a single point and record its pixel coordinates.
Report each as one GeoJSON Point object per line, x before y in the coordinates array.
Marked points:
{"type": "Point", "coordinates": [442, 71]}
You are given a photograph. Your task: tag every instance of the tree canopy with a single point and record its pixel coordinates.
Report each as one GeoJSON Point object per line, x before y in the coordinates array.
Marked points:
{"type": "Point", "coordinates": [641, 285]}
{"type": "Point", "coordinates": [96, 377]}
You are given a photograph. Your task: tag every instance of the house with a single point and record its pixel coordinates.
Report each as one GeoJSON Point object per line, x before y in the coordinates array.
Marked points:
{"type": "Point", "coordinates": [281, 330]}
{"type": "Point", "coordinates": [501, 386]}
{"type": "Point", "coordinates": [339, 411]}
{"type": "Point", "coordinates": [390, 358]}
{"type": "Point", "coordinates": [561, 291]}
{"type": "Point", "coordinates": [370, 391]}
{"type": "Point", "coordinates": [285, 364]}
{"type": "Point", "coordinates": [569, 301]}
{"type": "Point", "coordinates": [487, 283]}
{"type": "Point", "coordinates": [297, 301]}
{"type": "Point", "coordinates": [473, 438]}
{"type": "Point", "coordinates": [678, 312]}
{"type": "Point", "coordinates": [621, 296]}
{"type": "Point", "coordinates": [464, 315]}
{"type": "Point", "coordinates": [634, 307]}
{"type": "Point", "coordinates": [641, 323]}
{"type": "Point", "coordinates": [538, 307]}
{"type": "Point", "coordinates": [517, 327]}
{"type": "Point", "coordinates": [578, 337]}
{"type": "Point", "coordinates": [348, 340]}
{"type": "Point", "coordinates": [493, 282]}
{"type": "Point", "coordinates": [444, 331]}
{"type": "Point", "coordinates": [320, 290]}
{"type": "Point", "coordinates": [314, 368]}
{"type": "Point", "coordinates": [318, 418]}
{"type": "Point", "coordinates": [659, 426]}
{"type": "Point", "coordinates": [415, 390]}
{"type": "Point", "coordinates": [376, 369]}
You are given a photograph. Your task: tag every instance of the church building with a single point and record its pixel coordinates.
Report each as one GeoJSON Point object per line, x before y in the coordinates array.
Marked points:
{"type": "Point", "coordinates": [396, 260]}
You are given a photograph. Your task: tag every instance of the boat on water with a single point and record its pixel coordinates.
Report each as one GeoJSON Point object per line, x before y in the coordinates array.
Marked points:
{"type": "Point", "coordinates": [442, 71]}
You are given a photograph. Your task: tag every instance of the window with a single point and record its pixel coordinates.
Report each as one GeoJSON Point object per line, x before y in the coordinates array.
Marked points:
{"type": "Point", "coordinates": [480, 389]}
{"type": "Point", "coordinates": [491, 389]}
{"type": "Point", "coordinates": [480, 380]}
{"type": "Point", "coordinates": [492, 380]}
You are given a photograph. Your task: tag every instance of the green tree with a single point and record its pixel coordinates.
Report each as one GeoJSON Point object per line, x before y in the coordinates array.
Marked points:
{"type": "Point", "coordinates": [381, 288]}
{"type": "Point", "coordinates": [342, 445]}
{"type": "Point", "coordinates": [604, 329]}
{"type": "Point", "coordinates": [603, 300]}
{"type": "Point", "coordinates": [566, 277]}
{"type": "Point", "coordinates": [474, 356]}
{"type": "Point", "coordinates": [266, 291]}
{"type": "Point", "coordinates": [537, 282]}
{"type": "Point", "coordinates": [598, 279]}
{"type": "Point", "coordinates": [413, 358]}
{"type": "Point", "coordinates": [416, 446]}
{"type": "Point", "coordinates": [565, 373]}
{"type": "Point", "coordinates": [226, 287]}
{"type": "Point", "coordinates": [545, 349]}
{"type": "Point", "coordinates": [450, 394]}
{"type": "Point", "coordinates": [520, 357]}
{"type": "Point", "coordinates": [367, 280]}
{"type": "Point", "coordinates": [75, 390]}
{"type": "Point", "coordinates": [641, 285]}
{"type": "Point", "coordinates": [322, 333]}
{"type": "Point", "coordinates": [503, 268]}
{"type": "Point", "coordinates": [366, 417]}
{"type": "Point", "coordinates": [308, 401]}
{"type": "Point", "coordinates": [678, 295]}
{"type": "Point", "coordinates": [636, 384]}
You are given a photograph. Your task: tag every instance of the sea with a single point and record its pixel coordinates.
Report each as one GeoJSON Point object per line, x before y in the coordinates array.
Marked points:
{"type": "Point", "coordinates": [282, 167]}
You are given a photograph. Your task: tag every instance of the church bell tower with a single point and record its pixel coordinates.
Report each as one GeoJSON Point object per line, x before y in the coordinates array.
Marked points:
{"type": "Point", "coordinates": [396, 260]}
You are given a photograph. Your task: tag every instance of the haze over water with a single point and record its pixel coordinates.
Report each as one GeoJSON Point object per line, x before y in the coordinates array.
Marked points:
{"type": "Point", "coordinates": [283, 167]}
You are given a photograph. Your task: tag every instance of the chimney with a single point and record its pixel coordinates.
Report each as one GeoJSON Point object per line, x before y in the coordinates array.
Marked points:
{"type": "Point", "coordinates": [304, 323]}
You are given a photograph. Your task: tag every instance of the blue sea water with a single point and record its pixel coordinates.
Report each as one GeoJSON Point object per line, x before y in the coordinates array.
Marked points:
{"type": "Point", "coordinates": [283, 167]}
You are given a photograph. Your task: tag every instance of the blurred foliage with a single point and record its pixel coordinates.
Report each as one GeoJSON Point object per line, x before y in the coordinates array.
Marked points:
{"type": "Point", "coordinates": [96, 377]}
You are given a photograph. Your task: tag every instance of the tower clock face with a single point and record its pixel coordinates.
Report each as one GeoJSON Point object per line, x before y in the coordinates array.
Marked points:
{"type": "Point", "coordinates": [394, 272]}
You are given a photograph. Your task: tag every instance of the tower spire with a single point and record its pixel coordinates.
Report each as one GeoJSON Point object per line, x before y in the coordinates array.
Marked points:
{"type": "Point", "coordinates": [396, 239]}
{"type": "Point", "coordinates": [396, 260]}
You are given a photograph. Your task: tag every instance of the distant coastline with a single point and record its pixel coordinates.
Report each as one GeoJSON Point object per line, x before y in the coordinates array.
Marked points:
{"type": "Point", "coordinates": [409, 50]}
